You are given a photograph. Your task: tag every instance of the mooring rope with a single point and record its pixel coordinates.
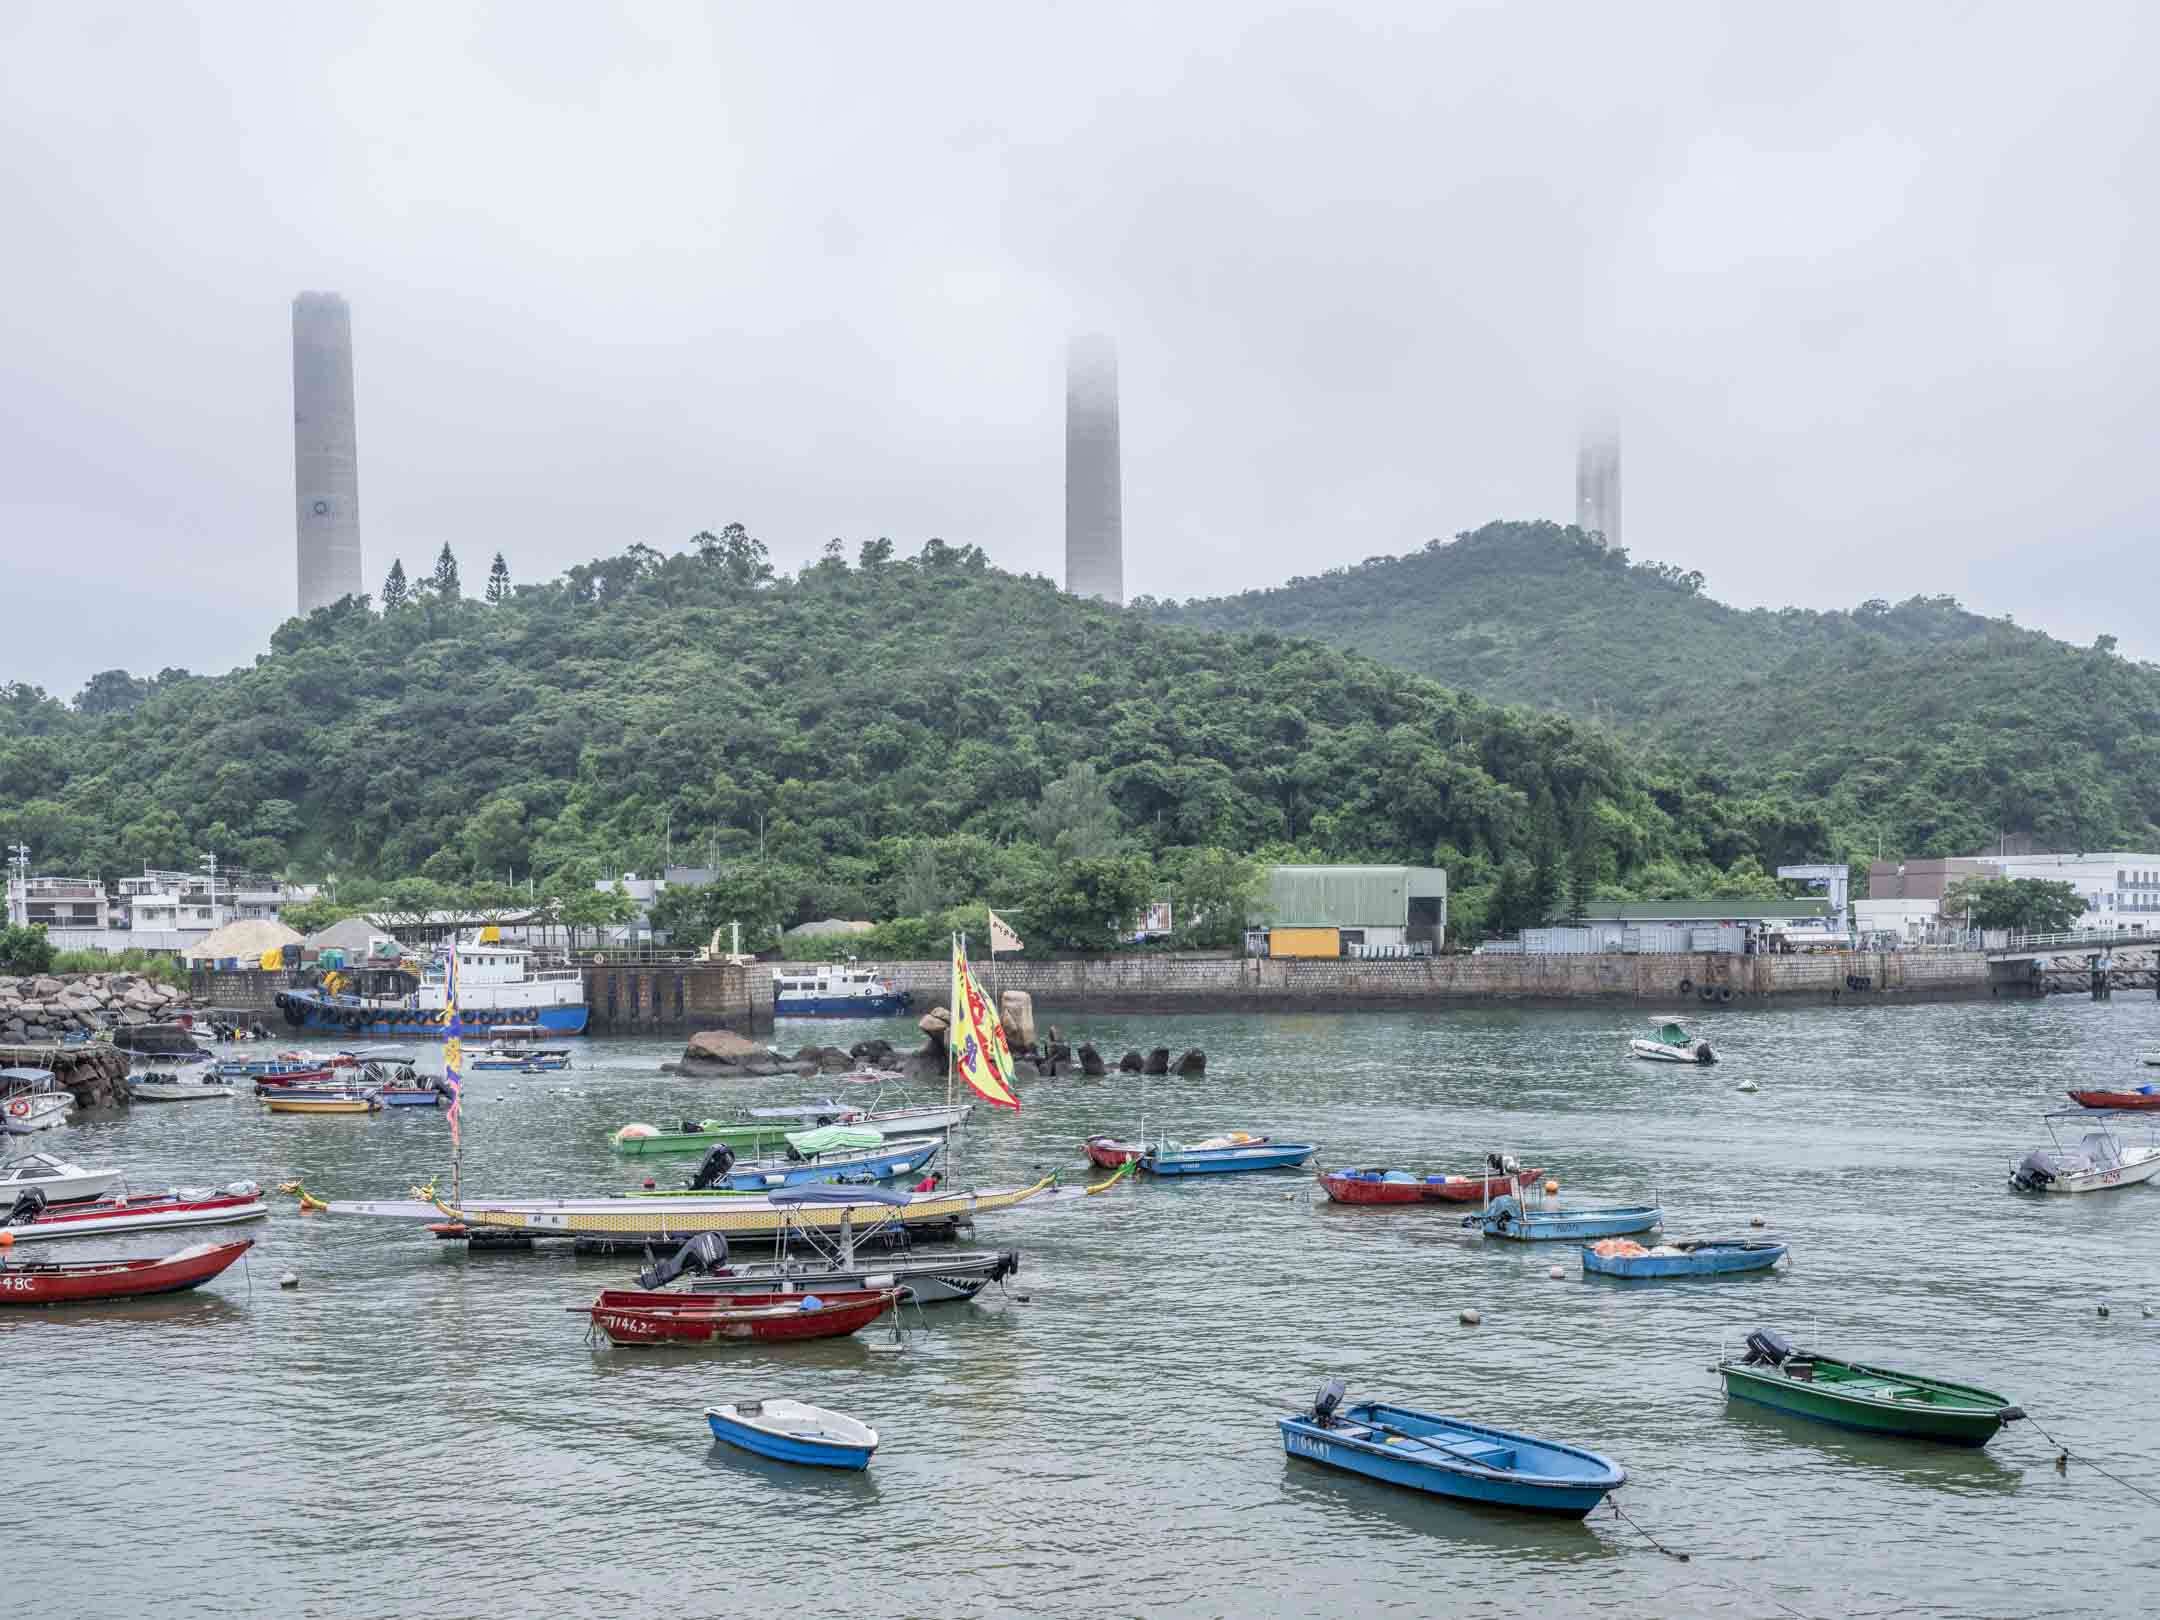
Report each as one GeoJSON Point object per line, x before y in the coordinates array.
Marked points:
{"type": "Point", "coordinates": [2065, 1457]}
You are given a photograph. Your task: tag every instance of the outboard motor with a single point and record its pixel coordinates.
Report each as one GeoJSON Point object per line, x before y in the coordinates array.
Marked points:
{"type": "Point", "coordinates": [1325, 1403]}
{"type": "Point", "coordinates": [706, 1253]}
{"type": "Point", "coordinates": [1703, 1054]}
{"type": "Point", "coordinates": [1008, 1265]}
{"type": "Point", "coordinates": [2033, 1173]}
{"type": "Point", "coordinates": [29, 1205]}
{"type": "Point", "coordinates": [717, 1164]}
{"type": "Point", "coordinates": [1767, 1349]}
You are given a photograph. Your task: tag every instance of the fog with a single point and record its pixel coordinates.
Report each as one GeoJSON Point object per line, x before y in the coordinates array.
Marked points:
{"type": "Point", "coordinates": [1869, 288]}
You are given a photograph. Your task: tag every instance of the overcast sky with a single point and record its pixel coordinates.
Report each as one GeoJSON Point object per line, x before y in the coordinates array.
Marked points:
{"type": "Point", "coordinates": [1874, 290]}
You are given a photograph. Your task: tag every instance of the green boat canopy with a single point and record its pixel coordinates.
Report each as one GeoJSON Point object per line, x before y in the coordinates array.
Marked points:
{"type": "Point", "coordinates": [828, 1138]}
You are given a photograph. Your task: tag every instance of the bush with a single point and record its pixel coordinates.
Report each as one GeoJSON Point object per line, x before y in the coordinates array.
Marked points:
{"type": "Point", "coordinates": [25, 950]}
{"type": "Point", "coordinates": [148, 964]}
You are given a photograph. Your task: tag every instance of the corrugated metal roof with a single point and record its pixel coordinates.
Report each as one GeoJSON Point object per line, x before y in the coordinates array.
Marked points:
{"type": "Point", "coordinates": [1348, 896]}
{"type": "Point", "coordinates": [1732, 910]}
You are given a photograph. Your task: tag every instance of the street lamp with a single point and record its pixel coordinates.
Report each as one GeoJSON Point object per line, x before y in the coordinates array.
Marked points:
{"type": "Point", "coordinates": [19, 858]}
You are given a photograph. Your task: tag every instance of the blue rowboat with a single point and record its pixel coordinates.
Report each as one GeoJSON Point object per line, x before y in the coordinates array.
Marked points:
{"type": "Point", "coordinates": [1505, 1217]}
{"type": "Point", "coordinates": [1699, 1257]}
{"type": "Point", "coordinates": [885, 1163]}
{"type": "Point", "coordinates": [1166, 1160]}
{"type": "Point", "coordinates": [796, 1432]}
{"type": "Point", "coordinates": [1446, 1456]}
{"type": "Point", "coordinates": [421, 1096]}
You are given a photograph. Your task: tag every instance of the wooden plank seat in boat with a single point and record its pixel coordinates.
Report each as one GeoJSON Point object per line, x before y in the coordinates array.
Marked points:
{"type": "Point", "coordinates": [1481, 1453]}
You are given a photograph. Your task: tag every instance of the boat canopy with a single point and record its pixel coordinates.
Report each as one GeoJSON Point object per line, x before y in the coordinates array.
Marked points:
{"type": "Point", "coordinates": [33, 1076]}
{"type": "Point", "coordinates": [826, 1193]}
{"type": "Point", "coordinates": [826, 1138]}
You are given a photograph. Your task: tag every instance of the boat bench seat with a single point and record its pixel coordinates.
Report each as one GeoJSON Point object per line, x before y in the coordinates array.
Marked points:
{"type": "Point", "coordinates": [1484, 1453]}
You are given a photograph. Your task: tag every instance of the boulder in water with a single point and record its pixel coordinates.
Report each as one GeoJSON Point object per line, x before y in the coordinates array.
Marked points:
{"type": "Point", "coordinates": [1091, 1062]}
{"type": "Point", "coordinates": [1193, 1062]}
{"type": "Point", "coordinates": [1130, 1063]}
{"type": "Point", "coordinates": [1158, 1061]}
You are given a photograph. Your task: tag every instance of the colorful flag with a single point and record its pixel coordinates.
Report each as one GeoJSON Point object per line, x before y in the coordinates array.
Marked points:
{"type": "Point", "coordinates": [976, 1039]}
{"type": "Point", "coordinates": [1002, 938]}
{"type": "Point", "coordinates": [453, 1052]}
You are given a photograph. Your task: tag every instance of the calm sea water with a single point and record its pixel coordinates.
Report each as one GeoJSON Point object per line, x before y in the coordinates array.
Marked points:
{"type": "Point", "coordinates": [418, 1431]}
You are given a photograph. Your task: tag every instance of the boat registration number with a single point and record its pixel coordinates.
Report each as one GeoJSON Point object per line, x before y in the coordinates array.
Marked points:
{"type": "Point", "coordinates": [1306, 1446]}
{"type": "Point", "coordinates": [16, 1285]}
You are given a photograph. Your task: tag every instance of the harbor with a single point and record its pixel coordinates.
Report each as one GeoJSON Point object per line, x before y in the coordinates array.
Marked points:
{"type": "Point", "coordinates": [1122, 1388]}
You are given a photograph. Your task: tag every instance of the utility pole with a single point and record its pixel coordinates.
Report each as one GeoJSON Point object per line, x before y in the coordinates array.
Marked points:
{"type": "Point", "coordinates": [19, 858]}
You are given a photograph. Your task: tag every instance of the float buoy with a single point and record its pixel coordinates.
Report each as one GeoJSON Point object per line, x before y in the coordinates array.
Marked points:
{"type": "Point", "coordinates": [1471, 1318]}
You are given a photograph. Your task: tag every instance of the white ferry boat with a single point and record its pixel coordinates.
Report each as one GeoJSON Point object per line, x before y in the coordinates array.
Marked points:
{"type": "Point", "coordinates": [838, 990]}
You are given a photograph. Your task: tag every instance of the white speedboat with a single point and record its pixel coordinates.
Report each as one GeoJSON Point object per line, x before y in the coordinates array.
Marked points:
{"type": "Point", "coordinates": [60, 1181]}
{"type": "Point", "coordinates": [32, 1100]}
{"type": "Point", "coordinates": [2100, 1162]}
{"type": "Point", "coordinates": [155, 1087]}
{"type": "Point", "coordinates": [1673, 1045]}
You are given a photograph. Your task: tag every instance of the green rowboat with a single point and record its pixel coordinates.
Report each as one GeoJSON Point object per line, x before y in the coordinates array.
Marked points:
{"type": "Point", "coordinates": [1876, 1400]}
{"type": "Point", "coordinates": [749, 1141]}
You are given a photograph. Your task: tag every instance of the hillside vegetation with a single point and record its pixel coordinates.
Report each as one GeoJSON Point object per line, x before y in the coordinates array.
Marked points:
{"type": "Point", "coordinates": [890, 737]}
{"type": "Point", "coordinates": [1918, 728]}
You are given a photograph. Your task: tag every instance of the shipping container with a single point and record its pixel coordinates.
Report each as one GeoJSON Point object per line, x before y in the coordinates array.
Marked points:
{"type": "Point", "coordinates": [1304, 942]}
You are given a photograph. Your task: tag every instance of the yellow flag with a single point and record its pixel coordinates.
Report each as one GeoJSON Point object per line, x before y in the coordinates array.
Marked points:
{"type": "Point", "coordinates": [977, 1038]}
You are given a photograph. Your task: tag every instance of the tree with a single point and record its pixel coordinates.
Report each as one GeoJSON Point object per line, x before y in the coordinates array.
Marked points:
{"type": "Point", "coordinates": [498, 581]}
{"type": "Point", "coordinates": [580, 909]}
{"type": "Point", "coordinates": [444, 581]}
{"type": "Point", "coordinates": [1212, 894]}
{"type": "Point", "coordinates": [1090, 904]}
{"type": "Point", "coordinates": [739, 556]}
{"type": "Point", "coordinates": [495, 837]}
{"type": "Point", "coordinates": [313, 916]}
{"type": "Point", "coordinates": [752, 893]}
{"type": "Point", "coordinates": [408, 903]}
{"type": "Point", "coordinates": [111, 691]}
{"type": "Point", "coordinates": [2021, 905]}
{"type": "Point", "coordinates": [25, 950]}
{"type": "Point", "coordinates": [1074, 819]}
{"type": "Point", "coordinates": [395, 592]}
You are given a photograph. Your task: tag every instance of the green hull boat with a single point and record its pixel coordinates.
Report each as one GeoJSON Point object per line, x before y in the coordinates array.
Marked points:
{"type": "Point", "coordinates": [1875, 1400]}
{"type": "Point", "coordinates": [749, 1141]}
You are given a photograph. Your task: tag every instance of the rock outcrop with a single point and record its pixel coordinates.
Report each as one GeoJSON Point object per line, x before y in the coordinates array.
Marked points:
{"type": "Point", "coordinates": [1158, 1061]}
{"type": "Point", "coordinates": [720, 1053]}
{"type": "Point", "coordinates": [45, 1006]}
{"type": "Point", "coordinates": [96, 1073]}
{"type": "Point", "coordinates": [1016, 1009]}
{"type": "Point", "coordinates": [1130, 1063]}
{"type": "Point", "coordinates": [1193, 1062]}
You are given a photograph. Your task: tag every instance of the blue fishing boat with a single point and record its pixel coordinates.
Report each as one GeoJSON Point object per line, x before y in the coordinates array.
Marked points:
{"type": "Point", "coordinates": [886, 1162]}
{"type": "Point", "coordinates": [423, 1095]}
{"type": "Point", "coordinates": [796, 1432]}
{"type": "Point", "coordinates": [497, 988]}
{"type": "Point", "coordinates": [1505, 1217]}
{"type": "Point", "coordinates": [1223, 1155]}
{"type": "Point", "coordinates": [1692, 1257]}
{"type": "Point", "coordinates": [1471, 1462]}
{"type": "Point", "coordinates": [837, 990]}
{"type": "Point", "coordinates": [500, 1058]}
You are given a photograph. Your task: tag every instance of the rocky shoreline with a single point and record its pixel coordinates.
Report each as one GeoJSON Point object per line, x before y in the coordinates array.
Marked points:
{"type": "Point", "coordinates": [45, 1006]}
{"type": "Point", "coordinates": [96, 1073]}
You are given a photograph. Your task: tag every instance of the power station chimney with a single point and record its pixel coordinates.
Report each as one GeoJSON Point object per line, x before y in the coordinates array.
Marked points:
{"type": "Point", "coordinates": [1094, 501]}
{"type": "Point", "coordinates": [326, 454]}
{"type": "Point", "coordinates": [1597, 480]}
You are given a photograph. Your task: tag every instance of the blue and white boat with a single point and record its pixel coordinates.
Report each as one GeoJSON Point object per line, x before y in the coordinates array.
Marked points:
{"type": "Point", "coordinates": [845, 990]}
{"type": "Point", "coordinates": [501, 1058]}
{"type": "Point", "coordinates": [1471, 1462]}
{"type": "Point", "coordinates": [796, 1432]}
{"type": "Point", "coordinates": [1505, 1217]}
{"type": "Point", "coordinates": [1690, 1257]}
{"type": "Point", "coordinates": [497, 986]}
{"type": "Point", "coordinates": [887, 1162]}
{"type": "Point", "coordinates": [1224, 1155]}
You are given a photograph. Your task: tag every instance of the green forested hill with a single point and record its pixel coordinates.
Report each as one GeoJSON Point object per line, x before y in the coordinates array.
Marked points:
{"type": "Point", "coordinates": [886, 737]}
{"type": "Point", "coordinates": [1918, 728]}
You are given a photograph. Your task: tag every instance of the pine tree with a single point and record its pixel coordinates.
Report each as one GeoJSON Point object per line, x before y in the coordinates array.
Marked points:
{"type": "Point", "coordinates": [444, 581]}
{"type": "Point", "coordinates": [395, 594]}
{"type": "Point", "coordinates": [498, 585]}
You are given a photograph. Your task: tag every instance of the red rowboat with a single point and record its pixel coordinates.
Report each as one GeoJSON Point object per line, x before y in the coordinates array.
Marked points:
{"type": "Point", "coordinates": [74, 1282]}
{"type": "Point", "coordinates": [1110, 1153]}
{"type": "Point", "coordinates": [291, 1077]}
{"type": "Point", "coordinates": [2116, 1099]}
{"type": "Point", "coordinates": [1373, 1187]}
{"type": "Point", "coordinates": [148, 1212]}
{"type": "Point", "coordinates": [769, 1317]}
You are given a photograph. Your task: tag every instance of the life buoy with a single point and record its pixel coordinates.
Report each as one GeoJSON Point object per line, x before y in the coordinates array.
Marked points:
{"type": "Point", "coordinates": [1687, 987]}
{"type": "Point", "coordinates": [19, 1107]}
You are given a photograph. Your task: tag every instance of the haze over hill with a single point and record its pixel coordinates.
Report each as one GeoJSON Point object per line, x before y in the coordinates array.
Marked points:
{"type": "Point", "coordinates": [1917, 727]}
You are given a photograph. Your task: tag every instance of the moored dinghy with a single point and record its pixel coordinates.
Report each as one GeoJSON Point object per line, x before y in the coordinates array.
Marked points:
{"type": "Point", "coordinates": [1684, 1257]}
{"type": "Point", "coordinates": [1812, 1385]}
{"type": "Point", "coordinates": [1446, 1456]}
{"type": "Point", "coordinates": [82, 1282]}
{"type": "Point", "coordinates": [796, 1432]}
{"type": "Point", "coordinates": [1507, 1218]}
{"type": "Point", "coordinates": [154, 1087]}
{"type": "Point", "coordinates": [2100, 1161]}
{"type": "Point", "coordinates": [1673, 1045]}
{"type": "Point", "coordinates": [1221, 1155]}
{"type": "Point", "coordinates": [1410, 1187]}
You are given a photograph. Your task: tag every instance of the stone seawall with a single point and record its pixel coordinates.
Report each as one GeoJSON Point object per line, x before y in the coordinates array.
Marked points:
{"type": "Point", "coordinates": [1140, 983]}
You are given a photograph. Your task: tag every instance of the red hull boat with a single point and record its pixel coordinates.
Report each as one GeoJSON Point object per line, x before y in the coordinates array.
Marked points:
{"type": "Point", "coordinates": [146, 1213]}
{"type": "Point", "coordinates": [2117, 1099]}
{"type": "Point", "coordinates": [291, 1077]}
{"type": "Point", "coordinates": [628, 1317]}
{"type": "Point", "coordinates": [77, 1282]}
{"type": "Point", "coordinates": [1110, 1153]}
{"type": "Point", "coordinates": [1372, 1187]}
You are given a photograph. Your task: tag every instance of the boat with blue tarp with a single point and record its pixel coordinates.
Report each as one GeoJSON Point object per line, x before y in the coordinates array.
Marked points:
{"type": "Point", "coordinates": [1685, 1257]}
{"type": "Point", "coordinates": [1445, 1456]}
{"type": "Point", "coordinates": [1505, 1217]}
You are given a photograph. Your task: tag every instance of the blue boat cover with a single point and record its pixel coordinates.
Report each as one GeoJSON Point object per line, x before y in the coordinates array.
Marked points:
{"type": "Point", "coordinates": [825, 1192]}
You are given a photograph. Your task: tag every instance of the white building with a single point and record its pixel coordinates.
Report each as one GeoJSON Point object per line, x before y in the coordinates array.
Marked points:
{"type": "Point", "coordinates": [1912, 922]}
{"type": "Point", "coordinates": [643, 892]}
{"type": "Point", "coordinates": [2121, 889]}
{"type": "Point", "coordinates": [172, 911]}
